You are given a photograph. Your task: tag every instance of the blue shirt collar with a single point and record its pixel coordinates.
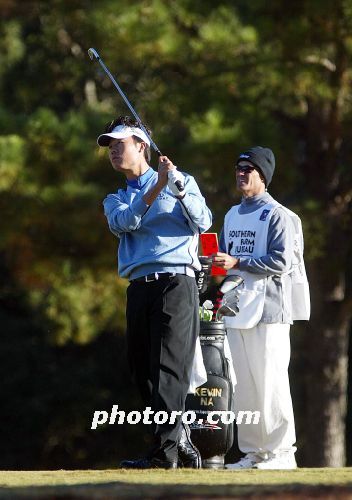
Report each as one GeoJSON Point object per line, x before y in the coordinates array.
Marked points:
{"type": "Point", "coordinates": [141, 180]}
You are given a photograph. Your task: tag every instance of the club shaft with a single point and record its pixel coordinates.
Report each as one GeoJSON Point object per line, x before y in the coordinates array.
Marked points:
{"type": "Point", "coordinates": [93, 54]}
{"type": "Point", "coordinates": [130, 107]}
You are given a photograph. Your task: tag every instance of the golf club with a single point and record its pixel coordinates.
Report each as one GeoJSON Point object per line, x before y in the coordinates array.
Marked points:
{"type": "Point", "coordinates": [229, 303]}
{"type": "Point", "coordinates": [93, 54]}
{"type": "Point", "coordinates": [230, 282]}
{"type": "Point", "coordinates": [207, 306]}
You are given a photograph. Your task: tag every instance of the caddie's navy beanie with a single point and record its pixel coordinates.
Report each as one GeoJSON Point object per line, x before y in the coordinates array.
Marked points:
{"type": "Point", "coordinates": [263, 158]}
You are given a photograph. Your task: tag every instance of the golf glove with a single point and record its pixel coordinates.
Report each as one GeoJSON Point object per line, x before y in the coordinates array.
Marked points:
{"type": "Point", "coordinates": [176, 176]}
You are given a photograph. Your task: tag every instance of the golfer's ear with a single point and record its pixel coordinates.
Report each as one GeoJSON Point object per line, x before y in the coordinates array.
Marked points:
{"type": "Point", "coordinates": [142, 146]}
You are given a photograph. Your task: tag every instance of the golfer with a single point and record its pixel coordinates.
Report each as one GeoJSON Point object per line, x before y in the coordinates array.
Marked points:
{"type": "Point", "coordinates": [158, 226]}
{"type": "Point", "coordinates": [259, 242]}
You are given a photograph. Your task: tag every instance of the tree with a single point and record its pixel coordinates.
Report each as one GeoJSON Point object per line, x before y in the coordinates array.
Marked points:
{"type": "Point", "coordinates": [211, 78]}
{"type": "Point", "coordinates": [313, 104]}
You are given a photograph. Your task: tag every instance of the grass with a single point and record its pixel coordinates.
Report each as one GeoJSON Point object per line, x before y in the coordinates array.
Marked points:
{"type": "Point", "coordinates": [205, 483]}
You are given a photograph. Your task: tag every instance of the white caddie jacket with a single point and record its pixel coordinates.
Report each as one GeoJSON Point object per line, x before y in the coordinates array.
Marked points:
{"type": "Point", "coordinates": [262, 234]}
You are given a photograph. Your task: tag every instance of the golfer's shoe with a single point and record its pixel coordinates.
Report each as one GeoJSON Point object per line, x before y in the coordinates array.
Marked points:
{"type": "Point", "coordinates": [283, 461]}
{"type": "Point", "coordinates": [188, 454]}
{"type": "Point", "coordinates": [148, 463]}
{"type": "Point", "coordinates": [250, 461]}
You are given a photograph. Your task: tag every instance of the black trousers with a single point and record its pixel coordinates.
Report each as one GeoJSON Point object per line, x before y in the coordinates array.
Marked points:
{"type": "Point", "coordinates": [162, 327]}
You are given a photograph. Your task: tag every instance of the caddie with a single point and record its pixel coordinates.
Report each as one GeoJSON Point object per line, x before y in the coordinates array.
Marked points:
{"type": "Point", "coordinates": [263, 242]}
{"type": "Point", "coordinates": [158, 226]}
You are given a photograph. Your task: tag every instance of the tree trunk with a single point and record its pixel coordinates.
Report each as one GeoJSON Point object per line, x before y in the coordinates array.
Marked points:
{"type": "Point", "coordinates": [327, 375]}
{"type": "Point", "coordinates": [328, 330]}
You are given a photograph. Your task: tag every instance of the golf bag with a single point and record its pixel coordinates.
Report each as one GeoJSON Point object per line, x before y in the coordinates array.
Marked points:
{"type": "Point", "coordinates": [212, 440]}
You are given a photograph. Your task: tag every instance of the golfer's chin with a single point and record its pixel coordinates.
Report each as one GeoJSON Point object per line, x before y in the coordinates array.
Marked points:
{"type": "Point", "coordinates": [118, 166]}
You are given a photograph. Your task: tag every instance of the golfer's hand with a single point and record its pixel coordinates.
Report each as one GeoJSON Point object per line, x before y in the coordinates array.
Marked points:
{"type": "Point", "coordinates": [176, 180]}
{"type": "Point", "coordinates": [165, 166]}
{"type": "Point", "coordinates": [225, 261]}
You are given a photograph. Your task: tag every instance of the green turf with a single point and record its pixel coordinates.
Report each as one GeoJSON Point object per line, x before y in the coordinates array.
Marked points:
{"type": "Point", "coordinates": [176, 483]}
{"type": "Point", "coordinates": [204, 476]}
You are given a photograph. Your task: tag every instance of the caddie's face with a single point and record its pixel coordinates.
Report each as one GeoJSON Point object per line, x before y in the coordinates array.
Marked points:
{"type": "Point", "coordinates": [248, 180]}
{"type": "Point", "coordinates": [126, 155]}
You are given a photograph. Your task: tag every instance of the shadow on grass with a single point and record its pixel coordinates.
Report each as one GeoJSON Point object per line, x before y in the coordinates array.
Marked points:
{"type": "Point", "coordinates": [122, 490]}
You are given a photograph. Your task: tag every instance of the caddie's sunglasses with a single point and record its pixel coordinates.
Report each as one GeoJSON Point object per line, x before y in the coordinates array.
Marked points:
{"type": "Point", "coordinates": [245, 169]}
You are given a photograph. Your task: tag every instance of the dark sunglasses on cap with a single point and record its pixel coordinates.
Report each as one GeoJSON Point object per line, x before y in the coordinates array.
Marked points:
{"type": "Point", "coordinates": [245, 169]}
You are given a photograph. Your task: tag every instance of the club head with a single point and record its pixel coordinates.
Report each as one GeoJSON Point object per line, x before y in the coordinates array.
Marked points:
{"type": "Point", "coordinates": [229, 304]}
{"type": "Point", "coordinates": [93, 54]}
{"type": "Point", "coordinates": [226, 310]}
{"type": "Point", "coordinates": [230, 282]}
{"type": "Point", "coordinates": [208, 304]}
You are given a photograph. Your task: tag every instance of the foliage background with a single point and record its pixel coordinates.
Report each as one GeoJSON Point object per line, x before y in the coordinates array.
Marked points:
{"type": "Point", "coordinates": [211, 78]}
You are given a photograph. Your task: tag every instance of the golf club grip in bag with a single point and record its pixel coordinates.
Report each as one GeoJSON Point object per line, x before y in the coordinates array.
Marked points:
{"type": "Point", "coordinates": [203, 276]}
{"type": "Point", "coordinates": [212, 440]}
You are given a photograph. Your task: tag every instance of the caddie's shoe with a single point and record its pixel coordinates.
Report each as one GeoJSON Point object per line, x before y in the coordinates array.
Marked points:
{"type": "Point", "coordinates": [276, 462]}
{"type": "Point", "coordinates": [247, 462]}
{"type": "Point", "coordinates": [148, 463]}
{"type": "Point", "coordinates": [187, 452]}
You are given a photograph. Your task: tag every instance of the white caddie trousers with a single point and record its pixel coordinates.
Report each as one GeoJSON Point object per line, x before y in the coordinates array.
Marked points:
{"type": "Point", "coordinates": [261, 357]}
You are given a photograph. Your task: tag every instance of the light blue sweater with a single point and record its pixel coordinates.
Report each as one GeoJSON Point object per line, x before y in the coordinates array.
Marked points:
{"type": "Point", "coordinates": [160, 238]}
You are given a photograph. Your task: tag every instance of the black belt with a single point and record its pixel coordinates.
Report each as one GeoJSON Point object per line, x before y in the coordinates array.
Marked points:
{"type": "Point", "coordinates": [153, 277]}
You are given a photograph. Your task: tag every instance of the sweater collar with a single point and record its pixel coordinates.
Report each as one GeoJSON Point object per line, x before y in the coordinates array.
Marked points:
{"type": "Point", "coordinates": [140, 181]}
{"type": "Point", "coordinates": [253, 200]}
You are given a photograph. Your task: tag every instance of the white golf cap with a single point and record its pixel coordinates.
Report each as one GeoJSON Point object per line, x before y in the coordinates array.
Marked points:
{"type": "Point", "coordinates": [121, 132]}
